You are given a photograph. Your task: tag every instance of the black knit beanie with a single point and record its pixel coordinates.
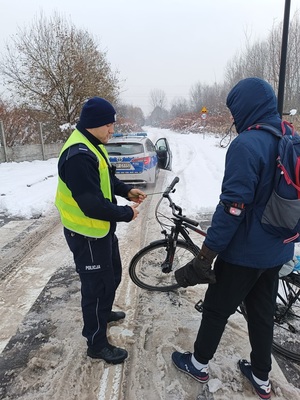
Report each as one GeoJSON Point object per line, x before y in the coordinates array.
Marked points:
{"type": "Point", "coordinates": [97, 112]}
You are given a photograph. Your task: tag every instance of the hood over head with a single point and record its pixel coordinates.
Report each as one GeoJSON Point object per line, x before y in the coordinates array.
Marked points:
{"type": "Point", "coordinates": [251, 101]}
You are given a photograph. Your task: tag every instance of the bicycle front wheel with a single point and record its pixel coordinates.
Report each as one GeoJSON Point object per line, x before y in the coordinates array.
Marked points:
{"type": "Point", "coordinates": [146, 270]}
{"type": "Point", "coordinates": [286, 338]}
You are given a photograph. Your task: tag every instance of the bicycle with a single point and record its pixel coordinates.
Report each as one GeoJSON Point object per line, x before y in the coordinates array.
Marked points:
{"type": "Point", "coordinates": [152, 268]}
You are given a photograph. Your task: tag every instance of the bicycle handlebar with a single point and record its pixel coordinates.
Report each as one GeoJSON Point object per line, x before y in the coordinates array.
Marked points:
{"type": "Point", "coordinates": [189, 221]}
{"type": "Point", "coordinates": [177, 208]}
{"type": "Point", "coordinates": [169, 188]}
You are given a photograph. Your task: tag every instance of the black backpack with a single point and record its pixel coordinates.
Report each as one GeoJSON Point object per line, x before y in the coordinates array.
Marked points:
{"type": "Point", "coordinates": [281, 215]}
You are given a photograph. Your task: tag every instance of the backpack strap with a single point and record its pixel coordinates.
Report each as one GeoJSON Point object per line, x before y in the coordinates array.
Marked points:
{"type": "Point", "coordinates": [280, 134]}
{"type": "Point", "coordinates": [287, 176]}
{"type": "Point", "coordinates": [291, 126]}
{"type": "Point", "coordinates": [297, 170]}
{"type": "Point", "coordinates": [273, 130]}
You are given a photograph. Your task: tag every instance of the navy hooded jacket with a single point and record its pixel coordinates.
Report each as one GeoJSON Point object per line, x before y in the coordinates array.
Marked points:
{"type": "Point", "coordinates": [248, 179]}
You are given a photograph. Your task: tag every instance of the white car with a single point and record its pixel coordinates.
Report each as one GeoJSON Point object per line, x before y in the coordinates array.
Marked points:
{"type": "Point", "coordinates": [137, 159]}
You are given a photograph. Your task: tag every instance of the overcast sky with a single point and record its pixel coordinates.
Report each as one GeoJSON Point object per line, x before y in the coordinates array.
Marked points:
{"type": "Point", "coordinates": [159, 44]}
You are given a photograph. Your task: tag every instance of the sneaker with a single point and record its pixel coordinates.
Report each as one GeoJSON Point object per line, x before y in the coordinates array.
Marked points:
{"type": "Point", "coordinates": [263, 391]}
{"type": "Point", "coordinates": [110, 354]}
{"type": "Point", "coordinates": [183, 362]}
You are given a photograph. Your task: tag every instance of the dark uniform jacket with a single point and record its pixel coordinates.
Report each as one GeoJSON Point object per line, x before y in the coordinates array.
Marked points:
{"type": "Point", "coordinates": [78, 168]}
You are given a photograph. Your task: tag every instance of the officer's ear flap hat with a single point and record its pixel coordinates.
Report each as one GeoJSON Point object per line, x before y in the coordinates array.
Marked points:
{"type": "Point", "coordinates": [97, 112]}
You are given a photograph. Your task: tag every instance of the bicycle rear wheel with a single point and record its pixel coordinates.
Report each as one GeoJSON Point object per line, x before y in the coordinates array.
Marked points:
{"type": "Point", "coordinates": [286, 339]}
{"type": "Point", "coordinates": [286, 336]}
{"type": "Point", "coordinates": [145, 268]}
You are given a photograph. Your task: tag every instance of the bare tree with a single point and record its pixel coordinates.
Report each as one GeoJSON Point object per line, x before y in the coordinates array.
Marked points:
{"type": "Point", "coordinates": [134, 114]}
{"type": "Point", "coordinates": [52, 66]}
{"type": "Point", "coordinates": [272, 56]}
{"type": "Point", "coordinates": [292, 97]}
{"type": "Point", "coordinates": [179, 107]}
{"type": "Point", "coordinates": [234, 70]}
{"type": "Point", "coordinates": [209, 96]}
{"type": "Point", "coordinates": [262, 59]}
{"type": "Point", "coordinates": [158, 116]}
{"type": "Point", "coordinates": [158, 99]}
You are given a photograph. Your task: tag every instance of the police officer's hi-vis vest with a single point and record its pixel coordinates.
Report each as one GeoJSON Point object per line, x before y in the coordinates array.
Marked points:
{"type": "Point", "coordinates": [71, 215]}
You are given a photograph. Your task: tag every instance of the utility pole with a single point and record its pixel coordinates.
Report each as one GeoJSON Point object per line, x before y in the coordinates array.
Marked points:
{"type": "Point", "coordinates": [284, 44]}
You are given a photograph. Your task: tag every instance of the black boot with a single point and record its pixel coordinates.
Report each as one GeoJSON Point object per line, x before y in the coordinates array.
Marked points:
{"type": "Point", "coordinates": [110, 354]}
{"type": "Point", "coordinates": [116, 316]}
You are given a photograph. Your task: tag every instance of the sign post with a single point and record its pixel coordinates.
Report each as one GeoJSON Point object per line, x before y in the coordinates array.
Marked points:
{"type": "Point", "coordinates": [203, 118]}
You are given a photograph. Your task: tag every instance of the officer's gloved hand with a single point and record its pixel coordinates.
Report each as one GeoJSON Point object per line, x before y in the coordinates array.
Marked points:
{"type": "Point", "coordinates": [198, 270]}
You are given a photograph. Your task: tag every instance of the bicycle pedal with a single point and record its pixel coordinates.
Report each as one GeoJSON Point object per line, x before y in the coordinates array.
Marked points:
{"type": "Point", "coordinates": [199, 306]}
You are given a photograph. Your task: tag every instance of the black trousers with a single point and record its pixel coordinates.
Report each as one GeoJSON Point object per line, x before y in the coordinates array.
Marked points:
{"type": "Point", "coordinates": [258, 288]}
{"type": "Point", "coordinates": [98, 264]}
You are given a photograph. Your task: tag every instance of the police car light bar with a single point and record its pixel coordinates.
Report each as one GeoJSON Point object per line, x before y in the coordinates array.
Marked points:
{"type": "Point", "coordinates": [140, 134]}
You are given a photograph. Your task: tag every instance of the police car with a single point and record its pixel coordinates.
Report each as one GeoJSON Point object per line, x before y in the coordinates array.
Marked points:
{"type": "Point", "coordinates": [137, 159]}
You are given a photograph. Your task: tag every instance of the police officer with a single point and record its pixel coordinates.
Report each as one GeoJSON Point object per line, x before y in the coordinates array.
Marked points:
{"type": "Point", "coordinates": [89, 212]}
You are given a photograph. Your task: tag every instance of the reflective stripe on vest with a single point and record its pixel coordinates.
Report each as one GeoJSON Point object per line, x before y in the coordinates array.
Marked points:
{"type": "Point", "coordinates": [71, 215]}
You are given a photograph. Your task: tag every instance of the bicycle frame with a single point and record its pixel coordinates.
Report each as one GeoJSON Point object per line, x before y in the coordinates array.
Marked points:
{"type": "Point", "coordinates": [179, 228]}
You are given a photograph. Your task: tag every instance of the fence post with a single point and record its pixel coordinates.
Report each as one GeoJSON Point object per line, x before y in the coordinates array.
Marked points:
{"type": "Point", "coordinates": [3, 140]}
{"type": "Point", "coordinates": [42, 140]}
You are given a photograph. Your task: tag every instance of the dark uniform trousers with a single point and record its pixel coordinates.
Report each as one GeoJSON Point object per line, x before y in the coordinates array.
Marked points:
{"type": "Point", "coordinates": [99, 267]}
{"type": "Point", "coordinates": [258, 288]}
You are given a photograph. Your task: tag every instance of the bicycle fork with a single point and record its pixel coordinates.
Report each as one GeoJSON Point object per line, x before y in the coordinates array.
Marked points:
{"type": "Point", "coordinates": [166, 266]}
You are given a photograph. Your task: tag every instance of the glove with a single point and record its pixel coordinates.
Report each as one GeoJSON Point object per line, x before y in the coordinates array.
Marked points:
{"type": "Point", "coordinates": [198, 270]}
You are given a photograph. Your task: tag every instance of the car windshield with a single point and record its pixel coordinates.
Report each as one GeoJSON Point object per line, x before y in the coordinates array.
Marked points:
{"type": "Point", "coordinates": [123, 149]}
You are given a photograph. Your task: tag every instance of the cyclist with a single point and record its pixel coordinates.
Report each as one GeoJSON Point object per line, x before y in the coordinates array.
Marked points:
{"type": "Point", "coordinates": [249, 258]}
